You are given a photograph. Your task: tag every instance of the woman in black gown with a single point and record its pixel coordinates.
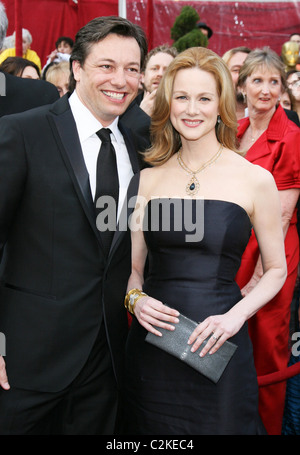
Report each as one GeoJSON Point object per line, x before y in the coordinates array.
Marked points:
{"type": "Point", "coordinates": [195, 211]}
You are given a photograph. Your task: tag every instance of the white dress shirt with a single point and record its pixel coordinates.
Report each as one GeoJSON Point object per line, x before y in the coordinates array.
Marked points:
{"type": "Point", "coordinates": [87, 126]}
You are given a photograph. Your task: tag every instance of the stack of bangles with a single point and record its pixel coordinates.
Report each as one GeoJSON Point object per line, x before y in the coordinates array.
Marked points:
{"type": "Point", "coordinates": [131, 298]}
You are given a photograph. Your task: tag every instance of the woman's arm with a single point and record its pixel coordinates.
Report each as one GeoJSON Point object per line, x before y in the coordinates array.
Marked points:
{"type": "Point", "coordinates": [266, 220]}
{"type": "Point", "coordinates": [148, 311]}
{"type": "Point", "coordinates": [288, 200]}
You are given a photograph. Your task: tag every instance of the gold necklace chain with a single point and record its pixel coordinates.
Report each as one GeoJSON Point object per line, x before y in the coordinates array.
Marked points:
{"type": "Point", "coordinates": [257, 135]}
{"type": "Point", "coordinates": [193, 185]}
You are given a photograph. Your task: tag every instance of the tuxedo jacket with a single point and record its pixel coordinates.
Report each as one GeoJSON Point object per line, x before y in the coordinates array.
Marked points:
{"type": "Point", "coordinates": [19, 95]}
{"type": "Point", "coordinates": [138, 122]}
{"type": "Point", "coordinates": [292, 115]}
{"type": "Point", "coordinates": [57, 286]}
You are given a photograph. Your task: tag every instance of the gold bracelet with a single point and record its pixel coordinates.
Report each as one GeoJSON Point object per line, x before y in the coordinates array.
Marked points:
{"type": "Point", "coordinates": [131, 298]}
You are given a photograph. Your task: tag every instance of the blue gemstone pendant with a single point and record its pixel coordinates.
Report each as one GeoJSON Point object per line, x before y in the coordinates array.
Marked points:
{"type": "Point", "coordinates": [193, 186]}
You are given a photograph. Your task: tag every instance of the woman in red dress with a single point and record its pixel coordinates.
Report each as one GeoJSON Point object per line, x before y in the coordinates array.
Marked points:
{"type": "Point", "coordinates": [272, 141]}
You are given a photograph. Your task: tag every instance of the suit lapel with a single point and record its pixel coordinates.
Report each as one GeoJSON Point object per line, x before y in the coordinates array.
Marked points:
{"type": "Point", "coordinates": [65, 132]}
{"type": "Point", "coordinates": [130, 148]}
{"type": "Point", "coordinates": [66, 135]}
{"type": "Point", "coordinates": [129, 202]}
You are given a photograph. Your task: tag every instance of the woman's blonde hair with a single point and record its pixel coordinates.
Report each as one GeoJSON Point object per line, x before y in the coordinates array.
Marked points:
{"type": "Point", "coordinates": [165, 139]}
{"type": "Point", "coordinates": [55, 71]}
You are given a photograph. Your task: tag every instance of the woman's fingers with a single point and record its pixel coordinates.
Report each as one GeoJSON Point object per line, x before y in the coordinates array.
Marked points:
{"type": "Point", "coordinates": [161, 312]}
{"type": "Point", "coordinates": [160, 319]}
{"type": "Point", "coordinates": [213, 342]}
{"type": "Point", "coordinates": [212, 332]}
{"type": "Point", "coordinates": [153, 313]}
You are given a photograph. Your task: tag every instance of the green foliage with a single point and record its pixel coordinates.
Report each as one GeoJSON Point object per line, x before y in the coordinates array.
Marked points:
{"type": "Point", "coordinates": [185, 32]}
{"type": "Point", "coordinates": [192, 39]}
{"type": "Point", "coordinates": [185, 22]}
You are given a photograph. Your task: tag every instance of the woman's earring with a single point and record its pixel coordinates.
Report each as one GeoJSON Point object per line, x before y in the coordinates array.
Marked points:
{"type": "Point", "coordinates": [218, 119]}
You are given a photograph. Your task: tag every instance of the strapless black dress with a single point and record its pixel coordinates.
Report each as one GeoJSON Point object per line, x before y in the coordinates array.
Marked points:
{"type": "Point", "coordinates": [193, 272]}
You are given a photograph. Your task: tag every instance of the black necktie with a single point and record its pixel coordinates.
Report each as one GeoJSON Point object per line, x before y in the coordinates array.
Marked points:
{"type": "Point", "coordinates": [107, 184]}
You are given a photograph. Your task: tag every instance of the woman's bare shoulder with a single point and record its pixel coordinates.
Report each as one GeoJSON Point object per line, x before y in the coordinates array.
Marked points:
{"type": "Point", "coordinates": [257, 174]}
{"type": "Point", "coordinates": [151, 173]}
{"type": "Point", "coordinates": [149, 178]}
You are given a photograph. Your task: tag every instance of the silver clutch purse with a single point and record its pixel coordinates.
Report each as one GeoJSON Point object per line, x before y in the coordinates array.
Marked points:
{"type": "Point", "coordinates": [175, 343]}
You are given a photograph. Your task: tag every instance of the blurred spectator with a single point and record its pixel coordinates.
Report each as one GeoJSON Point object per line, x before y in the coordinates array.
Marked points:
{"type": "Point", "coordinates": [156, 63]}
{"type": "Point", "coordinates": [3, 24]}
{"type": "Point", "coordinates": [59, 74]}
{"type": "Point", "coordinates": [64, 45]}
{"type": "Point", "coordinates": [295, 37]}
{"type": "Point", "coordinates": [137, 117]}
{"type": "Point", "coordinates": [293, 83]}
{"type": "Point", "coordinates": [288, 102]}
{"type": "Point", "coordinates": [205, 29]}
{"type": "Point", "coordinates": [292, 77]}
{"type": "Point", "coordinates": [28, 53]}
{"type": "Point", "coordinates": [62, 51]}
{"type": "Point", "coordinates": [287, 99]}
{"type": "Point", "coordinates": [21, 67]}
{"type": "Point", "coordinates": [234, 59]}
{"type": "Point", "coordinates": [9, 41]}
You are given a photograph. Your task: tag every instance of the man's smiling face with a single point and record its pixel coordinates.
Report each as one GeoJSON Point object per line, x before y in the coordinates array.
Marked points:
{"type": "Point", "coordinates": [109, 79]}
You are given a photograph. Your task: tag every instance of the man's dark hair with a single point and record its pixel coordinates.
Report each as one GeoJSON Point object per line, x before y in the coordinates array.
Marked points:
{"type": "Point", "coordinates": [65, 39]}
{"type": "Point", "coordinates": [295, 33]}
{"type": "Point", "coordinates": [98, 29]}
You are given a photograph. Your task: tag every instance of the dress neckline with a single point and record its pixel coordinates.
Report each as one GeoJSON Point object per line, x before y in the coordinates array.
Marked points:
{"type": "Point", "coordinates": [204, 200]}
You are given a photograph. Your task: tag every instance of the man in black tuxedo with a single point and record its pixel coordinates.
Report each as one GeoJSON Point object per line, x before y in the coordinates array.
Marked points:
{"type": "Point", "coordinates": [18, 94]}
{"type": "Point", "coordinates": [62, 294]}
{"type": "Point", "coordinates": [23, 94]}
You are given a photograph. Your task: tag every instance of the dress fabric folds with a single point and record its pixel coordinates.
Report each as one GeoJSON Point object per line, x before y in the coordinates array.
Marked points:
{"type": "Point", "coordinates": [163, 395]}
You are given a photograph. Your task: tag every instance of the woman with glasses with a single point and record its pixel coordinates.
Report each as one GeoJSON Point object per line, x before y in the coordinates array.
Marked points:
{"type": "Point", "coordinates": [293, 82]}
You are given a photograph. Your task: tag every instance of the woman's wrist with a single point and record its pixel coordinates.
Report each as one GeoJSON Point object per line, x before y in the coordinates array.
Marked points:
{"type": "Point", "coordinates": [131, 298]}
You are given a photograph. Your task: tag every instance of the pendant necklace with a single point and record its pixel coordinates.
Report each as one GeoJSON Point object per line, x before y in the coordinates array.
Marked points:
{"type": "Point", "coordinates": [193, 185]}
{"type": "Point", "coordinates": [257, 135]}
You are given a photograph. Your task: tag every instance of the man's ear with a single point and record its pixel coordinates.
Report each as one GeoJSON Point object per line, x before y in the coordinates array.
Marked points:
{"type": "Point", "coordinates": [76, 67]}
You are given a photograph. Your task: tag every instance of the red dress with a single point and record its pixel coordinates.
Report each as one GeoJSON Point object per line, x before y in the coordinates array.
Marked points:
{"type": "Point", "coordinates": [278, 151]}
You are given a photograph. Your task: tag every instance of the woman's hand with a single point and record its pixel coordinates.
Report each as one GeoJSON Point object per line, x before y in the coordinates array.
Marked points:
{"type": "Point", "coordinates": [219, 328]}
{"type": "Point", "coordinates": [151, 312]}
